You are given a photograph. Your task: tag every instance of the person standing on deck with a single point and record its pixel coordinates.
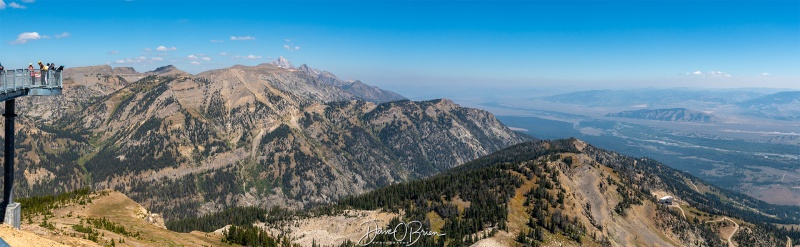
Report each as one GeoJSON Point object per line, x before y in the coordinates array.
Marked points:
{"type": "Point", "coordinates": [43, 72]}
{"type": "Point", "coordinates": [51, 68]}
{"type": "Point", "coordinates": [33, 73]}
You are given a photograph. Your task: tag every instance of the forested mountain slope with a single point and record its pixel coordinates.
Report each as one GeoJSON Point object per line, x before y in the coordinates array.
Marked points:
{"type": "Point", "coordinates": [547, 193]}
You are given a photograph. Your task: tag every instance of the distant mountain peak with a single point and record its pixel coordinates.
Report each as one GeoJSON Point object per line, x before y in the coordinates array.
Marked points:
{"type": "Point", "coordinates": [125, 70]}
{"type": "Point", "coordinates": [164, 69]}
{"type": "Point", "coordinates": [309, 70]}
{"type": "Point", "coordinates": [283, 63]}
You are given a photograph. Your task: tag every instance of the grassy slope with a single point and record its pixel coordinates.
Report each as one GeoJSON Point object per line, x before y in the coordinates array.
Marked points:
{"type": "Point", "coordinates": [119, 209]}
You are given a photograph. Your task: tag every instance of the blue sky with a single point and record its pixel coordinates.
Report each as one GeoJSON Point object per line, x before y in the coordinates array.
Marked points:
{"type": "Point", "coordinates": [419, 45]}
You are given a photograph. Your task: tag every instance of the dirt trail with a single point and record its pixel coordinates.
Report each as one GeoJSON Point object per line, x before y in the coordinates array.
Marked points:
{"type": "Point", "coordinates": [679, 207]}
{"type": "Point", "coordinates": [730, 243]}
{"type": "Point", "coordinates": [735, 229]}
{"type": "Point", "coordinates": [695, 186]}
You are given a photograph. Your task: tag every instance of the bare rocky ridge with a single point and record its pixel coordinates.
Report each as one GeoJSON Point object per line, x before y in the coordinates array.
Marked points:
{"type": "Point", "coordinates": [184, 144]}
{"type": "Point", "coordinates": [357, 88]}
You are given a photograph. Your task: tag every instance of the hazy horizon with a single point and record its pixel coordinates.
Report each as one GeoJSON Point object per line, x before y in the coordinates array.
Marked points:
{"type": "Point", "coordinates": [418, 48]}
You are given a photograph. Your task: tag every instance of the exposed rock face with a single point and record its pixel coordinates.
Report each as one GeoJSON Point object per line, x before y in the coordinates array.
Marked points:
{"type": "Point", "coordinates": [356, 88]}
{"type": "Point", "coordinates": [672, 115]}
{"type": "Point", "coordinates": [283, 63]}
{"type": "Point", "coordinates": [263, 135]}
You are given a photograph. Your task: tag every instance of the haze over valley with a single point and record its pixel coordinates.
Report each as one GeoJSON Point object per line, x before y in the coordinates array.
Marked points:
{"type": "Point", "coordinates": [741, 139]}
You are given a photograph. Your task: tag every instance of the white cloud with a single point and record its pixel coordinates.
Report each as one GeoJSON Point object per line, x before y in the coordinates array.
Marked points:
{"type": "Point", "coordinates": [148, 49]}
{"type": "Point", "coordinates": [16, 5]}
{"type": "Point", "coordinates": [164, 48]}
{"type": "Point", "coordinates": [192, 57]}
{"type": "Point", "coordinates": [718, 74]}
{"type": "Point", "coordinates": [223, 53]}
{"type": "Point", "coordinates": [709, 74]}
{"type": "Point", "coordinates": [240, 38]}
{"type": "Point", "coordinates": [765, 74]}
{"type": "Point", "coordinates": [28, 1]}
{"type": "Point", "coordinates": [156, 58]}
{"type": "Point", "coordinates": [136, 60]}
{"type": "Point", "coordinates": [206, 59]}
{"type": "Point", "coordinates": [195, 63]}
{"type": "Point", "coordinates": [25, 37]}
{"type": "Point", "coordinates": [290, 48]}
{"type": "Point", "coordinates": [63, 35]}
{"type": "Point", "coordinates": [248, 57]}
{"type": "Point", "coordinates": [2, 4]}
{"type": "Point", "coordinates": [217, 41]}
{"type": "Point", "coordinates": [113, 52]}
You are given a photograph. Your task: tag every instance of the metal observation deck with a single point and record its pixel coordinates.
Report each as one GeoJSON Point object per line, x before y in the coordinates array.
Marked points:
{"type": "Point", "coordinates": [16, 83]}
{"type": "Point", "coordinates": [13, 84]}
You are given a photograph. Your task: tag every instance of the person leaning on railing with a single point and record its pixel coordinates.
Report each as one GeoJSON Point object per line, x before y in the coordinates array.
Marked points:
{"type": "Point", "coordinates": [43, 72]}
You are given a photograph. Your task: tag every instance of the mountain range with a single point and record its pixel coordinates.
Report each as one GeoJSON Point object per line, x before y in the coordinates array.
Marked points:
{"type": "Point", "coordinates": [265, 135]}
{"type": "Point", "coordinates": [210, 152]}
{"type": "Point", "coordinates": [763, 103]}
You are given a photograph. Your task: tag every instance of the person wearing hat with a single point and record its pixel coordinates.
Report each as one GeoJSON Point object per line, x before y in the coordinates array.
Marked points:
{"type": "Point", "coordinates": [43, 72]}
{"type": "Point", "coordinates": [33, 73]}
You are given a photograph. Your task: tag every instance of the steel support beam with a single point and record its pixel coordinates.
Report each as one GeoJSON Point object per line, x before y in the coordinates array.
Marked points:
{"type": "Point", "coordinates": [8, 178]}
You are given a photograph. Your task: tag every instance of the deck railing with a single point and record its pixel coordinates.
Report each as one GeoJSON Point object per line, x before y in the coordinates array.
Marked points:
{"type": "Point", "coordinates": [13, 80]}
